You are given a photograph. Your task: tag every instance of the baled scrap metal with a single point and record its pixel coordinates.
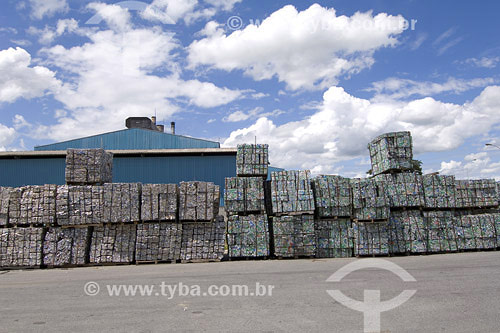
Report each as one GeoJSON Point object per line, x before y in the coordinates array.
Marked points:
{"type": "Point", "coordinates": [478, 193]}
{"type": "Point", "coordinates": [158, 242]}
{"type": "Point", "coordinates": [79, 205]}
{"type": "Point", "coordinates": [33, 205]}
{"type": "Point", "coordinates": [4, 205]}
{"type": "Point", "coordinates": [243, 195]}
{"type": "Point", "coordinates": [442, 234]}
{"type": "Point", "coordinates": [391, 151]}
{"type": "Point", "coordinates": [404, 189]}
{"type": "Point", "coordinates": [332, 196]}
{"type": "Point", "coordinates": [477, 231]}
{"type": "Point", "coordinates": [21, 247]}
{"type": "Point", "coordinates": [203, 240]}
{"type": "Point", "coordinates": [113, 243]}
{"type": "Point", "coordinates": [333, 238]}
{"type": "Point", "coordinates": [371, 238]}
{"type": "Point", "coordinates": [294, 236]}
{"type": "Point", "coordinates": [198, 201]}
{"type": "Point", "coordinates": [122, 202]}
{"type": "Point", "coordinates": [408, 231]}
{"type": "Point", "coordinates": [88, 166]}
{"type": "Point", "coordinates": [159, 202]}
{"type": "Point", "coordinates": [252, 160]}
{"type": "Point", "coordinates": [439, 191]}
{"type": "Point", "coordinates": [291, 192]}
{"type": "Point", "coordinates": [370, 201]}
{"type": "Point", "coordinates": [66, 246]}
{"type": "Point", "coordinates": [497, 227]}
{"type": "Point", "coordinates": [248, 236]}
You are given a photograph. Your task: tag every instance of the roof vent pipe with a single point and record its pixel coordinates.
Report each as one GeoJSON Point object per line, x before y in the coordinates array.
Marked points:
{"type": "Point", "coordinates": [172, 127]}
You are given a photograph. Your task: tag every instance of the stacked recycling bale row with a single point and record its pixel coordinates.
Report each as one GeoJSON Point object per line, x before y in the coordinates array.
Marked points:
{"type": "Point", "coordinates": [293, 209]}
{"type": "Point", "coordinates": [88, 166]}
{"type": "Point", "coordinates": [203, 230]}
{"type": "Point", "coordinates": [332, 225]}
{"type": "Point", "coordinates": [21, 247]}
{"type": "Point", "coordinates": [244, 201]}
{"type": "Point", "coordinates": [481, 193]}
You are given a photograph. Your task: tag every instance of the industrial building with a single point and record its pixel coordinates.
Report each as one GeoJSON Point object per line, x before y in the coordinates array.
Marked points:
{"type": "Point", "coordinates": [143, 152]}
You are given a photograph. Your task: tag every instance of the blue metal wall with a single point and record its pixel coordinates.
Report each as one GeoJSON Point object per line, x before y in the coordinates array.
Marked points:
{"type": "Point", "coordinates": [134, 138]}
{"type": "Point", "coordinates": [32, 171]}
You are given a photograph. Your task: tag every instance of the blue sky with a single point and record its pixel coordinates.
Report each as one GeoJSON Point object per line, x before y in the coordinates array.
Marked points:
{"type": "Point", "coordinates": [315, 80]}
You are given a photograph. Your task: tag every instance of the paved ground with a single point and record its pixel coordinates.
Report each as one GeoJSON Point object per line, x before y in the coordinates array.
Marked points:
{"type": "Point", "coordinates": [455, 293]}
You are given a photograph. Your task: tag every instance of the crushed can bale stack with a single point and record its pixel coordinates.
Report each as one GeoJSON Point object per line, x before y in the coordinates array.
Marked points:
{"type": "Point", "coordinates": [403, 189]}
{"type": "Point", "coordinates": [158, 242]}
{"type": "Point", "coordinates": [4, 205]}
{"type": "Point", "coordinates": [371, 238]}
{"type": "Point", "coordinates": [121, 202]}
{"type": "Point", "coordinates": [441, 231]}
{"type": "Point", "coordinates": [369, 199]}
{"type": "Point", "coordinates": [333, 238]}
{"type": "Point", "coordinates": [252, 160]}
{"type": "Point", "coordinates": [439, 191]}
{"type": "Point", "coordinates": [332, 196]}
{"type": "Point", "coordinates": [33, 205]}
{"type": "Point", "coordinates": [391, 151]}
{"type": "Point", "coordinates": [88, 166]}
{"type": "Point", "coordinates": [21, 247]}
{"type": "Point", "coordinates": [198, 201]}
{"type": "Point", "coordinates": [79, 205]}
{"type": "Point", "coordinates": [66, 246]}
{"type": "Point", "coordinates": [480, 193]}
{"type": "Point", "coordinates": [244, 195]}
{"type": "Point", "coordinates": [294, 236]}
{"type": "Point", "coordinates": [159, 202]}
{"type": "Point", "coordinates": [248, 236]}
{"type": "Point", "coordinates": [113, 243]}
{"type": "Point", "coordinates": [203, 240]}
{"type": "Point", "coordinates": [291, 193]}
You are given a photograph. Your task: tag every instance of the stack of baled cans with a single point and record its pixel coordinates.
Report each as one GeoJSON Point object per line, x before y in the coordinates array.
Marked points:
{"type": "Point", "coordinates": [247, 221]}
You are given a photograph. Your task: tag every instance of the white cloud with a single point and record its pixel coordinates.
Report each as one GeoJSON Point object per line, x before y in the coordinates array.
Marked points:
{"type": "Point", "coordinates": [7, 136]}
{"type": "Point", "coordinates": [344, 125]}
{"type": "Point", "coordinates": [225, 5]}
{"type": "Point", "coordinates": [309, 49]}
{"type": "Point", "coordinates": [112, 77]}
{"type": "Point", "coordinates": [398, 88]}
{"type": "Point", "coordinates": [473, 166]}
{"type": "Point", "coordinates": [414, 45]}
{"type": "Point", "coordinates": [19, 80]}
{"type": "Point", "coordinates": [485, 62]}
{"type": "Point", "coordinates": [41, 8]}
{"type": "Point", "coordinates": [239, 115]}
{"type": "Point", "coordinates": [49, 34]}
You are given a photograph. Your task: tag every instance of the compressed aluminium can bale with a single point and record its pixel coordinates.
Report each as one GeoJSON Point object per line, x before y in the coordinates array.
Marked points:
{"type": "Point", "coordinates": [198, 201]}
{"type": "Point", "coordinates": [370, 201]}
{"type": "Point", "coordinates": [113, 243]}
{"type": "Point", "coordinates": [203, 240]}
{"type": "Point", "coordinates": [66, 246]}
{"type": "Point", "coordinates": [252, 160]}
{"type": "Point", "coordinates": [4, 205]}
{"type": "Point", "coordinates": [478, 193]}
{"type": "Point", "coordinates": [333, 238]}
{"type": "Point", "coordinates": [404, 189]}
{"type": "Point", "coordinates": [332, 196]}
{"type": "Point", "coordinates": [291, 192]}
{"type": "Point", "coordinates": [371, 238]}
{"type": "Point", "coordinates": [391, 151]}
{"type": "Point", "coordinates": [442, 233]}
{"type": "Point", "coordinates": [158, 242]}
{"type": "Point", "coordinates": [248, 236]}
{"type": "Point", "coordinates": [159, 202]}
{"type": "Point", "coordinates": [33, 205]}
{"type": "Point", "coordinates": [21, 247]}
{"type": "Point", "coordinates": [88, 166]}
{"type": "Point", "coordinates": [409, 232]}
{"type": "Point", "coordinates": [497, 227]}
{"type": "Point", "coordinates": [79, 205]}
{"type": "Point", "coordinates": [294, 236]}
{"type": "Point", "coordinates": [244, 195]}
{"type": "Point", "coordinates": [122, 202]}
{"type": "Point", "coordinates": [476, 231]}
{"type": "Point", "coordinates": [439, 191]}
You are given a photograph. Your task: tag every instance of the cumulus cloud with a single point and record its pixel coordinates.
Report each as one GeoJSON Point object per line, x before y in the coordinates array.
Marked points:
{"type": "Point", "coordinates": [111, 77]}
{"type": "Point", "coordinates": [48, 34]}
{"type": "Point", "coordinates": [473, 166]}
{"type": "Point", "coordinates": [20, 80]}
{"type": "Point", "coordinates": [310, 49]}
{"type": "Point", "coordinates": [7, 136]}
{"type": "Point", "coordinates": [344, 124]}
{"type": "Point", "coordinates": [41, 8]}
{"type": "Point", "coordinates": [398, 88]}
{"type": "Point", "coordinates": [484, 62]}
{"type": "Point", "coordinates": [239, 115]}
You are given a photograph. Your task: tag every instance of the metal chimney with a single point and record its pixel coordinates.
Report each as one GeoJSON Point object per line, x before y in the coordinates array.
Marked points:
{"type": "Point", "coordinates": [172, 127]}
{"type": "Point", "coordinates": [153, 119]}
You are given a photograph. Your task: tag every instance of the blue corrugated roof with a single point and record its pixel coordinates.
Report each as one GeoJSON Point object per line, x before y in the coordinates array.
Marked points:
{"type": "Point", "coordinates": [134, 138]}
